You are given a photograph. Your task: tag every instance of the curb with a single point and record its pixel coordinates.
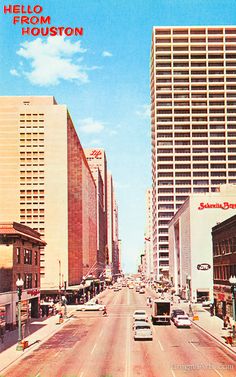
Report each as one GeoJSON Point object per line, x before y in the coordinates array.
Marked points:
{"type": "Point", "coordinates": [214, 337]}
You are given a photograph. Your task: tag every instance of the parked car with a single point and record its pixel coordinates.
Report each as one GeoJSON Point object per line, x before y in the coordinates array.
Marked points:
{"type": "Point", "coordinates": [142, 290]}
{"type": "Point", "coordinates": [91, 306]}
{"type": "Point", "coordinates": [137, 288]}
{"type": "Point", "coordinates": [206, 304]}
{"type": "Point", "coordinates": [182, 321]}
{"type": "Point", "coordinates": [140, 314]}
{"type": "Point", "coordinates": [142, 330]}
{"type": "Point", "coordinates": [176, 312]}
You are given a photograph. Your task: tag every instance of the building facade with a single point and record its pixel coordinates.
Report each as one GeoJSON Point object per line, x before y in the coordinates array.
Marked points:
{"type": "Point", "coordinates": [193, 120]}
{"type": "Point", "coordinates": [148, 239]}
{"type": "Point", "coordinates": [190, 242]}
{"type": "Point", "coordinates": [224, 264]}
{"type": "Point", "coordinates": [20, 248]}
{"type": "Point", "coordinates": [48, 185]}
{"type": "Point", "coordinates": [98, 165]}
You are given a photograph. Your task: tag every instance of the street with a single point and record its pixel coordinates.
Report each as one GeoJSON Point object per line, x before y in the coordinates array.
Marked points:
{"type": "Point", "coordinates": [91, 345]}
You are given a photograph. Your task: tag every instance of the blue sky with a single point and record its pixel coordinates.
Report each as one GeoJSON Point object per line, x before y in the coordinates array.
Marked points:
{"type": "Point", "coordinates": [103, 78]}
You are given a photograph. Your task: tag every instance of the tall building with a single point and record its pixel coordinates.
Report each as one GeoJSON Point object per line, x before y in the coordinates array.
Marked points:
{"type": "Point", "coordinates": [46, 184]}
{"type": "Point", "coordinates": [116, 253]}
{"type": "Point", "coordinates": [98, 165]}
{"type": "Point", "coordinates": [110, 219]}
{"type": "Point", "coordinates": [193, 120]}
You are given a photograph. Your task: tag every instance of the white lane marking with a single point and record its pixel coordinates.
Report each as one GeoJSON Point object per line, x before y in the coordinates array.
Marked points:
{"type": "Point", "coordinates": [101, 332]}
{"type": "Point", "coordinates": [173, 373]}
{"type": "Point", "coordinates": [194, 346]}
{"type": "Point", "coordinates": [218, 373]}
{"type": "Point", "coordinates": [95, 345]}
{"type": "Point", "coordinates": [128, 351]}
{"type": "Point", "coordinates": [161, 347]}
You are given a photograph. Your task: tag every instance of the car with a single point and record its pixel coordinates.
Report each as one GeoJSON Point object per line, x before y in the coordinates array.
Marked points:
{"type": "Point", "coordinates": [137, 288]}
{"type": "Point", "coordinates": [206, 304]}
{"type": "Point", "coordinates": [90, 306]}
{"type": "Point", "coordinates": [142, 330]}
{"type": "Point", "coordinates": [142, 290]}
{"type": "Point", "coordinates": [182, 321]}
{"type": "Point", "coordinates": [140, 314]}
{"type": "Point", "coordinates": [116, 289]}
{"type": "Point", "coordinates": [139, 320]}
{"type": "Point", "coordinates": [176, 312]}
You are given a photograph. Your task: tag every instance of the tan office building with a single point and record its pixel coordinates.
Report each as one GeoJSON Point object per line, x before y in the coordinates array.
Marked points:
{"type": "Point", "coordinates": [193, 120]}
{"type": "Point", "coordinates": [46, 184]}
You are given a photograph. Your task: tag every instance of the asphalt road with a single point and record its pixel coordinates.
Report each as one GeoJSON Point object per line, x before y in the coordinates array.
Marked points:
{"type": "Point", "coordinates": [91, 345]}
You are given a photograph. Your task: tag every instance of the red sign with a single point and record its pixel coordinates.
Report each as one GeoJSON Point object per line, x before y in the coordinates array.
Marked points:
{"type": "Point", "coordinates": [33, 292]}
{"type": "Point", "coordinates": [225, 205]}
{"type": "Point", "coordinates": [95, 153]}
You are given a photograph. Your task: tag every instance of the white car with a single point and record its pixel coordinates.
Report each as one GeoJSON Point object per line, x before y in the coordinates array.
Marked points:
{"type": "Point", "coordinates": [142, 330]}
{"type": "Point", "coordinates": [91, 306]}
{"type": "Point", "coordinates": [140, 314]}
{"type": "Point", "coordinates": [182, 321]}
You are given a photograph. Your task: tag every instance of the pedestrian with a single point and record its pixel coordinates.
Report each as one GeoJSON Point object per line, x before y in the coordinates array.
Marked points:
{"type": "Point", "coordinates": [225, 323]}
{"type": "Point", "coordinates": [104, 311]}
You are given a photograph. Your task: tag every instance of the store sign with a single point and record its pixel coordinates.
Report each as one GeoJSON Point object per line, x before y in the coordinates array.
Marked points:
{"type": "Point", "coordinates": [224, 205]}
{"type": "Point", "coordinates": [96, 153]}
{"type": "Point", "coordinates": [33, 292]}
{"type": "Point", "coordinates": [203, 266]}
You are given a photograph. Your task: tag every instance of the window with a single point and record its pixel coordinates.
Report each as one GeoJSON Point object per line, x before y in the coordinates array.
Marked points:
{"type": "Point", "coordinates": [27, 256]}
{"type": "Point", "coordinates": [36, 280]}
{"type": "Point", "coordinates": [18, 255]}
{"type": "Point", "coordinates": [28, 281]}
{"type": "Point", "coordinates": [36, 258]}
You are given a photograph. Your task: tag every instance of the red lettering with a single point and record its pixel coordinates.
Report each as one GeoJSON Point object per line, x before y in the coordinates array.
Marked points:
{"type": "Point", "coordinates": [24, 20]}
{"type": "Point", "coordinates": [25, 31]}
{"type": "Point", "coordinates": [16, 19]}
{"type": "Point", "coordinates": [7, 9]}
{"type": "Point", "coordinates": [35, 31]}
{"type": "Point", "coordinates": [79, 31]}
{"type": "Point", "coordinates": [16, 9]}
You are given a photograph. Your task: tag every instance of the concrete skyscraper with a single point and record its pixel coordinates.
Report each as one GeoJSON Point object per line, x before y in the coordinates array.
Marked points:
{"type": "Point", "coordinates": [193, 120]}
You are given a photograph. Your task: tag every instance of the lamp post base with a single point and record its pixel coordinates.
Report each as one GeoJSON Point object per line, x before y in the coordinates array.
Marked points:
{"type": "Point", "coordinates": [20, 346]}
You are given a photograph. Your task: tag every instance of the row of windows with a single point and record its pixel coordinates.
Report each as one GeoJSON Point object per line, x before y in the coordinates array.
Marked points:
{"type": "Point", "coordinates": [28, 280]}
{"type": "Point", "coordinates": [224, 247]}
{"type": "Point", "coordinates": [224, 272]}
{"type": "Point", "coordinates": [194, 31]}
{"type": "Point", "coordinates": [26, 256]}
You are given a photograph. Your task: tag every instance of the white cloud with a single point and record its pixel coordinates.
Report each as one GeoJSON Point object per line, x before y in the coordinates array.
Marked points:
{"type": "Point", "coordinates": [144, 112]}
{"type": "Point", "coordinates": [107, 54]}
{"type": "Point", "coordinates": [91, 126]}
{"type": "Point", "coordinates": [53, 60]}
{"type": "Point", "coordinates": [95, 142]}
{"type": "Point", "coordinates": [14, 72]}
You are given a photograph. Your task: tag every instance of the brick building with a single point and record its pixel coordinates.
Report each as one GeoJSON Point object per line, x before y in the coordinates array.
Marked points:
{"type": "Point", "coordinates": [20, 248]}
{"type": "Point", "coordinates": [224, 264]}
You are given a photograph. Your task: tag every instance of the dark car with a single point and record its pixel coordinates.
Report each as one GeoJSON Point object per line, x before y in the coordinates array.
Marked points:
{"type": "Point", "coordinates": [176, 312]}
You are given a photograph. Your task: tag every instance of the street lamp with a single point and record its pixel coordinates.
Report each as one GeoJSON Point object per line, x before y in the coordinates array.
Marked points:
{"type": "Point", "coordinates": [19, 284]}
{"type": "Point", "coordinates": [232, 281]}
{"type": "Point", "coordinates": [188, 281]}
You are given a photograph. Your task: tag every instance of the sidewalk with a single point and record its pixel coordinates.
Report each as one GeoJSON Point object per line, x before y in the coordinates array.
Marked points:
{"type": "Point", "coordinates": [38, 331]}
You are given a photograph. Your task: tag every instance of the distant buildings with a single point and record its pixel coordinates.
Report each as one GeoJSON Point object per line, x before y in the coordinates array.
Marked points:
{"type": "Point", "coordinates": [193, 120]}
{"type": "Point", "coordinates": [147, 259]}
